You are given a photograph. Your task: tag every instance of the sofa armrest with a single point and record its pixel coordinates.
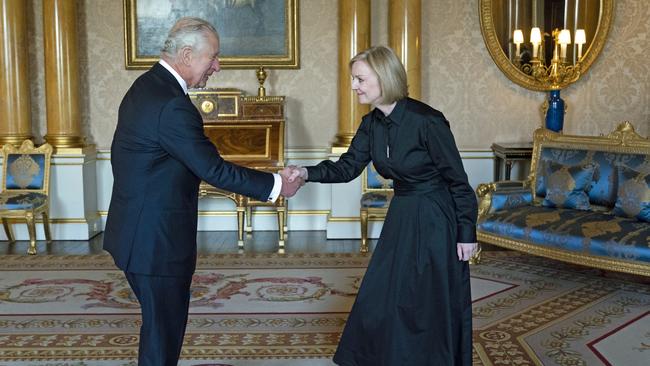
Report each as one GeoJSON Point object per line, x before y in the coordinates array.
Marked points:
{"type": "Point", "coordinates": [503, 195]}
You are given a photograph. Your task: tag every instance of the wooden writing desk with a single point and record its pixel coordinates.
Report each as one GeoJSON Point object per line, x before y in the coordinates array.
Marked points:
{"type": "Point", "coordinates": [249, 131]}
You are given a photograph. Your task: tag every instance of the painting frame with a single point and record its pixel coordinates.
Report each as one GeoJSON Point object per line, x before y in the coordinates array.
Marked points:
{"type": "Point", "coordinates": [287, 58]}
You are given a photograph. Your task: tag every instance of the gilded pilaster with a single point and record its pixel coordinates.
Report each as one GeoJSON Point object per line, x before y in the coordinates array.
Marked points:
{"type": "Point", "coordinates": [354, 37]}
{"type": "Point", "coordinates": [15, 117]}
{"type": "Point", "coordinates": [404, 38]}
{"type": "Point", "coordinates": [61, 74]}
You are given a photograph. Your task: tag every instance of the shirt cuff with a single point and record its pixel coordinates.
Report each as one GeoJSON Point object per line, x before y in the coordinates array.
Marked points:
{"type": "Point", "coordinates": [277, 187]}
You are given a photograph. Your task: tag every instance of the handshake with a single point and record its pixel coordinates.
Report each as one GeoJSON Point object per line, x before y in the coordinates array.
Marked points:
{"type": "Point", "coordinates": [293, 177]}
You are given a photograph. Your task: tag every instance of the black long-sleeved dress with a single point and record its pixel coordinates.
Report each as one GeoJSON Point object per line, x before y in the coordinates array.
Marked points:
{"type": "Point", "coordinates": [414, 305]}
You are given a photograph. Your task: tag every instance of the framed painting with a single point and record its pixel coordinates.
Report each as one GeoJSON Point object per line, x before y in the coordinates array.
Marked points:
{"type": "Point", "coordinates": [251, 32]}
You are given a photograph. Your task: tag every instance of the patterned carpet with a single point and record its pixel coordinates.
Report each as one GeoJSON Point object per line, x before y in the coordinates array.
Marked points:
{"type": "Point", "coordinates": [269, 309]}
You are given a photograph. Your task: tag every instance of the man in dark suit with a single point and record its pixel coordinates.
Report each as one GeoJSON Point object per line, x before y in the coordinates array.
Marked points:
{"type": "Point", "coordinates": [159, 156]}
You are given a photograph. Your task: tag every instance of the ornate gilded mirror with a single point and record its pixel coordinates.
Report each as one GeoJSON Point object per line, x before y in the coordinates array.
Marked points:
{"type": "Point", "coordinates": [545, 44]}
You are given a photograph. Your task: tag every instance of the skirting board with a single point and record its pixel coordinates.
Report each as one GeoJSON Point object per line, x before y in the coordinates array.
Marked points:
{"type": "Point", "coordinates": [81, 230]}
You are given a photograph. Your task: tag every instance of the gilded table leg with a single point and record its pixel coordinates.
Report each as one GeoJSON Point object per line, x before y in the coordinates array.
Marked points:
{"type": "Point", "coordinates": [280, 213]}
{"type": "Point", "coordinates": [240, 228]}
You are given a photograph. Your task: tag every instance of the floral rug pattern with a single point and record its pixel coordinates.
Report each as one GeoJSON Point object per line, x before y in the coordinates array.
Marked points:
{"type": "Point", "coordinates": [270, 309]}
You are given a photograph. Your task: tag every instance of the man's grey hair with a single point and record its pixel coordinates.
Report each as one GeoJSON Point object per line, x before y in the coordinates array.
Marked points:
{"type": "Point", "coordinates": [187, 31]}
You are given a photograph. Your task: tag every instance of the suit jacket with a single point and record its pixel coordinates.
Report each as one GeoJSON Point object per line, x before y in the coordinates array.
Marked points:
{"type": "Point", "coordinates": [159, 156]}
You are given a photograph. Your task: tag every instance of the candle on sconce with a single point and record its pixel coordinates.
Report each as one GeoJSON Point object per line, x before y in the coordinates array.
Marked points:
{"type": "Point", "coordinates": [535, 39]}
{"type": "Point", "coordinates": [564, 38]}
{"type": "Point", "coordinates": [518, 39]}
{"type": "Point", "coordinates": [581, 38]}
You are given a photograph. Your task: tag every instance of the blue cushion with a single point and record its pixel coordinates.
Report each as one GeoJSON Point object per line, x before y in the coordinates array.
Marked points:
{"type": "Point", "coordinates": [25, 171]}
{"type": "Point", "coordinates": [509, 199]}
{"type": "Point", "coordinates": [563, 156]}
{"type": "Point", "coordinates": [21, 201]}
{"type": "Point", "coordinates": [603, 187]}
{"type": "Point", "coordinates": [633, 198]}
{"type": "Point", "coordinates": [595, 233]}
{"type": "Point", "coordinates": [376, 199]}
{"type": "Point", "coordinates": [567, 185]}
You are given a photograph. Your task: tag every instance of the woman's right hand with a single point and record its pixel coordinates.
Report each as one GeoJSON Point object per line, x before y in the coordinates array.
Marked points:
{"type": "Point", "coordinates": [465, 251]}
{"type": "Point", "coordinates": [292, 172]}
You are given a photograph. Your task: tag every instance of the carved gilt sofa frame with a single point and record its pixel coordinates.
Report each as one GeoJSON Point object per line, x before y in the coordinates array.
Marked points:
{"type": "Point", "coordinates": [511, 214]}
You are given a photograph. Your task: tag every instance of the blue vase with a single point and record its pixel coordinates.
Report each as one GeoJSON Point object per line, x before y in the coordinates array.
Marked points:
{"type": "Point", "coordinates": [555, 112]}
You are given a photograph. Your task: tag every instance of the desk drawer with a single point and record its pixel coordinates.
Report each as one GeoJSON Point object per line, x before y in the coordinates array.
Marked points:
{"type": "Point", "coordinates": [259, 110]}
{"type": "Point", "coordinates": [247, 142]}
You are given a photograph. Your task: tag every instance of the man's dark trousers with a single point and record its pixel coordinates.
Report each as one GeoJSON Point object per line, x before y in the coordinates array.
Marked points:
{"type": "Point", "coordinates": [165, 303]}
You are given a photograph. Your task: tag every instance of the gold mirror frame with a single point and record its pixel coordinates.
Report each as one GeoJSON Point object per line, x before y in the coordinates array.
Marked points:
{"type": "Point", "coordinates": [517, 76]}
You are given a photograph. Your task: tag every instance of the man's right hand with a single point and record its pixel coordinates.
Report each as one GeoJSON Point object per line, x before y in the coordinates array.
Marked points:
{"type": "Point", "coordinates": [293, 172]}
{"type": "Point", "coordinates": [289, 188]}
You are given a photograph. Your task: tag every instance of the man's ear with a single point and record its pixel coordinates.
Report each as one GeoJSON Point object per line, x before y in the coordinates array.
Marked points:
{"type": "Point", "coordinates": [186, 55]}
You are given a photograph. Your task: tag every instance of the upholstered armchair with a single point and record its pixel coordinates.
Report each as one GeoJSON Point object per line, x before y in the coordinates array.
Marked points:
{"type": "Point", "coordinates": [376, 193]}
{"type": "Point", "coordinates": [25, 184]}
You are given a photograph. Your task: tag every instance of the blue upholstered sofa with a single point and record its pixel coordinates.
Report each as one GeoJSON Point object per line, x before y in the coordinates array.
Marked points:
{"type": "Point", "coordinates": [586, 201]}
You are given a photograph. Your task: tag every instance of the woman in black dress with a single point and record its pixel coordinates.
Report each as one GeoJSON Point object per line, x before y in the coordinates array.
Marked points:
{"type": "Point", "coordinates": [414, 305]}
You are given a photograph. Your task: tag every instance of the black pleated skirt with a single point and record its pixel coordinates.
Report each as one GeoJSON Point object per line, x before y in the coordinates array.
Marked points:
{"type": "Point", "coordinates": [414, 304]}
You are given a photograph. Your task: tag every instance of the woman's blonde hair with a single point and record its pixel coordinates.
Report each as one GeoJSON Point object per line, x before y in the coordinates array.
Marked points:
{"type": "Point", "coordinates": [390, 72]}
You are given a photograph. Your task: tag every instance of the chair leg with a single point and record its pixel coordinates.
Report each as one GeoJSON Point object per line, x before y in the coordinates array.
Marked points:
{"type": "Point", "coordinates": [280, 213]}
{"type": "Point", "coordinates": [10, 235]}
{"type": "Point", "coordinates": [46, 227]}
{"type": "Point", "coordinates": [31, 227]}
{"type": "Point", "coordinates": [364, 231]}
